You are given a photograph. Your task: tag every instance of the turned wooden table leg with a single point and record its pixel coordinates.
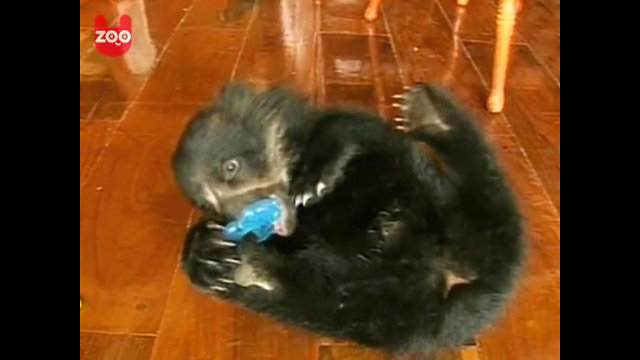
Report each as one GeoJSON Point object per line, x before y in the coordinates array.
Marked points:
{"type": "Point", "coordinates": [505, 21]}
{"type": "Point", "coordinates": [373, 9]}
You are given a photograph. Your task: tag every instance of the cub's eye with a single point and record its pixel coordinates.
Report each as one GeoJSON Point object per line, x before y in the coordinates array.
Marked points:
{"type": "Point", "coordinates": [230, 168]}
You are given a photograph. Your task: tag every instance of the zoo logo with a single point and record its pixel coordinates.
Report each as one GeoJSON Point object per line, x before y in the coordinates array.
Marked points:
{"type": "Point", "coordinates": [113, 41]}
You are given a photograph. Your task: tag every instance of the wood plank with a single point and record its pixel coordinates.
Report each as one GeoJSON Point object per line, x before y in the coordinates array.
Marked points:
{"type": "Point", "coordinates": [359, 71]}
{"type": "Point", "coordinates": [281, 46]}
{"type": "Point", "coordinates": [100, 346]}
{"type": "Point", "coordinates": [219, 14]}
{"type": "Point", "coordinates": [132, 222]}
{"type": "Point", "coordinates": [259, 337]}
{"type": "Point", "coordinates": [539, 24]}
{"type": "Point", "coordinates": [532, 108]}
{"type": "Point", "coordinates": [93, 139]}
{"type": "Point", "coordinates": [195, 326]}
{"type": "Point", "coordinates": [166, 120]}
{"type": "Point", "coordinates": [480, 24]}
{"type": "Point", "coordinates": [348, 17]}
{"type": "Point", "coordinates": [196, 64]}
{"type": "Point", "coordinates": [349, 352]}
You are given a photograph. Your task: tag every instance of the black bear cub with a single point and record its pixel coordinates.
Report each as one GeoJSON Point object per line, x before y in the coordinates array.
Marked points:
{"type": "Point", "coordinates": [401, 241]}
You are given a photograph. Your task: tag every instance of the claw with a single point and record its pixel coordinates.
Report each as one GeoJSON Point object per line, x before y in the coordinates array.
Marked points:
{"type": "Point", "coordinates": [400, 106]}
{"type": "Point", "coordinates": [224, 243]}
{"type": "Point", "coordinates": [320, 187]}
{"type": "Point", "coordinates": [401, 128]}
{"type": "Point", "coordinates": [232, 261]}
{"type": "Point", "coordinates": [298, 200]}
{"type": "Point", "coordinates": [398, 96]}
{"type": "Point", "coordinates": [305, 198]}
{"type": "Point", "coordinates": [207, 261]}
{"type": "Point", "coordinates": [400, 119]}
{"type": "Point", "coordinates": [213, 225]}
{"type": "Point", "coordinates": [226, 281]}
{"type": "Point", "coordinates": [218, 288]}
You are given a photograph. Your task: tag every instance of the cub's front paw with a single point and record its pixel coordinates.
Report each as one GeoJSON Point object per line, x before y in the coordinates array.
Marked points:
{"type": "Point", "coordinates": [320, 174]}
{"type": "Point", "coordinates": [209, 261]}
{"type": "Point", "coordinates": [223, 268]}
{"type": "Point", "coordinates": [308, 188]}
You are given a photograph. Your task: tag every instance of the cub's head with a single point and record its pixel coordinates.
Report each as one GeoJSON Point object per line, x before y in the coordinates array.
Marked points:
{"type": "Point", "coordinates": [237, 152]}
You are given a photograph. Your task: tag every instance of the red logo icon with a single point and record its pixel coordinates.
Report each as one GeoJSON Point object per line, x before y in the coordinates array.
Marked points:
{"type": "Point", "coordinates": [113, 41]}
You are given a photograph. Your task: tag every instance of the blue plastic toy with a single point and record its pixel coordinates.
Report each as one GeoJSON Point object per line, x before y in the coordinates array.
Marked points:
{"type": "Point", "coordinates": [259, 218]}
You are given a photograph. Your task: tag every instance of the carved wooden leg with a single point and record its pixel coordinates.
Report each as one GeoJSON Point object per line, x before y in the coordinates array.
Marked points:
{"type": "Point", "coordinates": [373, 8]}
{"type": "Point", "coordinates": [505, 21]}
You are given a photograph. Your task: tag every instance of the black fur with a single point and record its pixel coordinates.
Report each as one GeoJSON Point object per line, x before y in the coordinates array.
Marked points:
{"type": "Point", "coordinates": [369, 257]}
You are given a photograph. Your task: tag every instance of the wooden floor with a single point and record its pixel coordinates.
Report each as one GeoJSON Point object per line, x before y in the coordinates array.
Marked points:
{"type": "Point", "coordinates": [137, 304]}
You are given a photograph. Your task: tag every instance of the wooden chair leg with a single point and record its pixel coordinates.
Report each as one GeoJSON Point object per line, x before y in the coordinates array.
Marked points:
{"type": "Point", "coordinates": [373, 9]}
{"type": "Point", "coordinates": [505, 21]}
